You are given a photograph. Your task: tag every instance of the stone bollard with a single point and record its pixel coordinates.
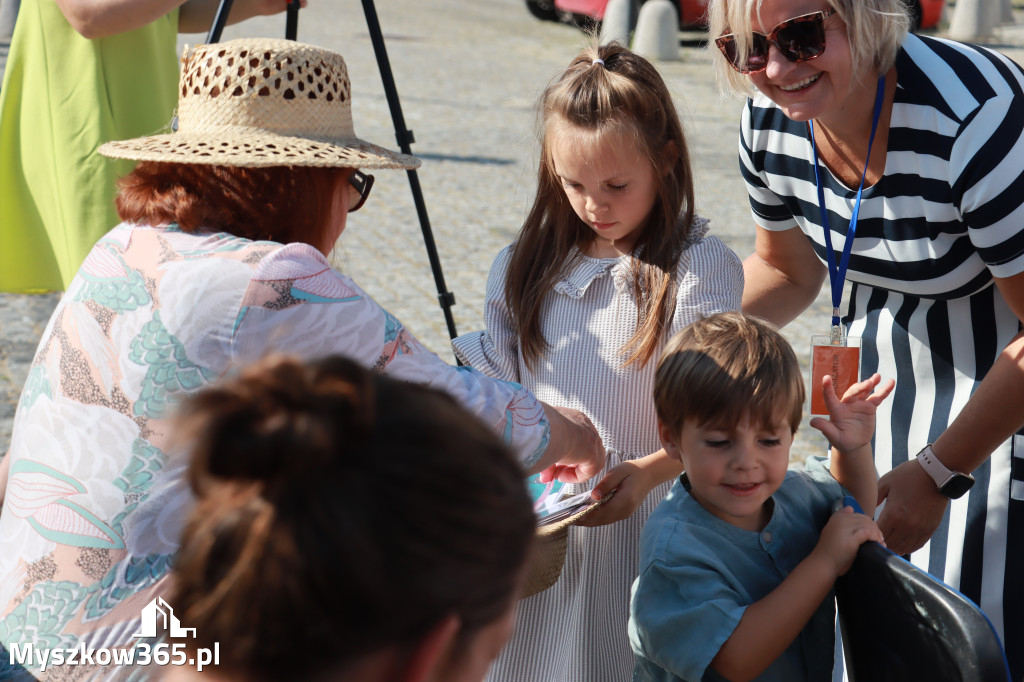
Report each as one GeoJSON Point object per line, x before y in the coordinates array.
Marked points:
{"type": "Point", "coordinates": [974, 20]}
{"type": "Point", "coordinates": [657, 31]}
{"type": "Point", "coordinates": [618, 21]}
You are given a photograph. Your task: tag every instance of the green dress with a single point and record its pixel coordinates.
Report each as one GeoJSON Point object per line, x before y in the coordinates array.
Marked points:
{"type": "Point", "coordinates": [62, 97]}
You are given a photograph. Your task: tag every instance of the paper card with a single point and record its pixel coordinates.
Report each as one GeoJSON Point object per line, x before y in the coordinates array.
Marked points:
{"type": "Point", "coordinates": [540, 492]}
{"type": "Point", "coordinates": [841, 361]}
{"type": "Point", "coordinates": [556, 510]}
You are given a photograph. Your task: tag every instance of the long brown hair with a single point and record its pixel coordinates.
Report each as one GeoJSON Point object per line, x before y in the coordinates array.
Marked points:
{"type": "Point", "coordinates": [340, 513]}
{"type": "Point", "coordinates": [282, 204]}
{"type": "Point", "coordinates": [626, 93]}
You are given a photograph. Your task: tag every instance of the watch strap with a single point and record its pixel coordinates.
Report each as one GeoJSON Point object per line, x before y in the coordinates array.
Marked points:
{"type": "Point", "coordinates": [933, 467]}
{"type": "Point", "coordinates": [952, 484]}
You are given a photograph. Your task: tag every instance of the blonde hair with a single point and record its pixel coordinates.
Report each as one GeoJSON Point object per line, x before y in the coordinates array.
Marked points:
{"type": "Point", "coordinates": [624, 94]}
{"type": "Point", "coordinates": [875, 29]}
{"type": "Point", "coordinates": [724, 366]}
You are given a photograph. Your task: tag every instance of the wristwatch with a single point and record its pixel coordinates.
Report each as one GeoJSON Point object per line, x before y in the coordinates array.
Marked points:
{"type": "Point", "coordinates": [952, 484]}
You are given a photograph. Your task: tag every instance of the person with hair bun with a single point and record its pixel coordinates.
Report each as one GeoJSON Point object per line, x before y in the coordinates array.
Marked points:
{"type": "Point", "coordinates": [347, 527]}
{"type": "Point", "coordinates": [222, 259]}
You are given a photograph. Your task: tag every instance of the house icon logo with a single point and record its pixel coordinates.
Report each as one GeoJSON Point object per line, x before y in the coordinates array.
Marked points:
{"type": "Point", "coordinates": [159, 610]}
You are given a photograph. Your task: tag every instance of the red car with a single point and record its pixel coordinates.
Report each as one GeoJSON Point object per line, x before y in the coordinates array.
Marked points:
{"type": "Point", "coordinates": [926, 13]}
{"type": "Point", "coordinates": [584, 13]}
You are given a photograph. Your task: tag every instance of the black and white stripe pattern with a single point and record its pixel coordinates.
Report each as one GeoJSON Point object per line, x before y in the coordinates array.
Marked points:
{"type": "Point", "coordinates": [945, 218]}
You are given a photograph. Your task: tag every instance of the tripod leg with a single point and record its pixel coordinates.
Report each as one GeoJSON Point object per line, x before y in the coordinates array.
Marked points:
{"type": "Point", "coordinates": [291, 27]}
{"type": "Point", "coordinates": [220, 19]}
{"type": "Point", "coordinates": [405, 138]}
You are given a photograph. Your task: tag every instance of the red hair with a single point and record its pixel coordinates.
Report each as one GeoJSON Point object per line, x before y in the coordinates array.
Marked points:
{"type": "Point", "coordinates": [281, 203]}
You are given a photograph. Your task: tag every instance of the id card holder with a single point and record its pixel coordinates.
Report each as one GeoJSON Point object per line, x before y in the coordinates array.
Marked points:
{"type": "Point", "coordinates": [839, 356]}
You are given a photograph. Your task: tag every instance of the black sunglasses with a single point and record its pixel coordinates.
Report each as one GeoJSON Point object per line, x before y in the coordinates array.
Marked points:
{"type": "Point", "coordinates": [798, 39]}
{"type": "Point", "coordinates": [362, 184]}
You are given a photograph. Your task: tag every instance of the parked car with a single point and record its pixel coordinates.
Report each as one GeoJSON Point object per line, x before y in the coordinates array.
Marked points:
{"type": "Point", "coordinates": [588, 13]}
{"type": "Point", "coordinates": [926, 13]}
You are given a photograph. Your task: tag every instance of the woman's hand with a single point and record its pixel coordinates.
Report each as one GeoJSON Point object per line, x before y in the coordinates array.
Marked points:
{"type": "Point", "coordinates": [575, 452]}
{"type": "Point", "coordinates": [913, 507]}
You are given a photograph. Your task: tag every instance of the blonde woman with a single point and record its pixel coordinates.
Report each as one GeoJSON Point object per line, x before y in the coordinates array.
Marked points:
{"type": "Point", "coordinates": [894, 161]}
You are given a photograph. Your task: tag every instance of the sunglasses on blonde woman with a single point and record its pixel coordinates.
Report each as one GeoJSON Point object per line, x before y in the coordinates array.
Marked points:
{"type": "Point", "coordinates": [798, 39]}
{"type": "Point", "coordinates": [362, 183]}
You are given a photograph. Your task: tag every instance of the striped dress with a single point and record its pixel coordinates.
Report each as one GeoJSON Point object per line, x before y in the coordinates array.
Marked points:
{"type": "Point", "coordinates": [946, 217]}
{"type": "Point", "coordinates": [575, 631]}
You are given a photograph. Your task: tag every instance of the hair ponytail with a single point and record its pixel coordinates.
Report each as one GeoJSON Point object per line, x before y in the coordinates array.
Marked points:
{"type": "Point", "coordinates": [606, 88]}
{"type": "Point", "coordinates": [326, 493]}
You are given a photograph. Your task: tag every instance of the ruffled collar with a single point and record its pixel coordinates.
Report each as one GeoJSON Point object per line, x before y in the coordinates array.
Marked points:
{"type": "Point", "coordinates": [586, 270]}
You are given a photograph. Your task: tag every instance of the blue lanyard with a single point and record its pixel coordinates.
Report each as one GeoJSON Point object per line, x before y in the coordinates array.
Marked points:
{"type": "Point", "coordinates": [837, 275]}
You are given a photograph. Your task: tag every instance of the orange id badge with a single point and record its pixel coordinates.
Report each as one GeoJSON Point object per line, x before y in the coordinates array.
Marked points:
{"type": "Point", "coordinates": [838, 357]}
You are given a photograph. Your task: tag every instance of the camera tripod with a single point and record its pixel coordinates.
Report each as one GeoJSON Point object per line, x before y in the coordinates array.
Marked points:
{"type": "Point", "coordinates": [402, 134]}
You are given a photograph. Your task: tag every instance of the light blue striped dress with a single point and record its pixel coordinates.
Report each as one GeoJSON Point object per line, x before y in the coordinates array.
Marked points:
{"type": "Point", "coordinates": [575, 631]}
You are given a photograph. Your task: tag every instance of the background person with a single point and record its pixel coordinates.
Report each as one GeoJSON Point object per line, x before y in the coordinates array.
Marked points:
{"type": "Point", "coordinates": [610, 261]}
{"type": "Point", "coordinates": [936, 265]}
{"type": "Point", "coordinates": [214, 267]}
{"type": "Point", "coordinates": [8, 15]}
{"type": "Point", "coordinates": [80, 73]}
{"type": "Point", "coordinates": [347, 527]}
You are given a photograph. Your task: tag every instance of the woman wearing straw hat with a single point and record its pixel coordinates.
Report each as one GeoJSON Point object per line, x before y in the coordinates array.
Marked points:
{"type": "Point", "coordinates": [220, 260]}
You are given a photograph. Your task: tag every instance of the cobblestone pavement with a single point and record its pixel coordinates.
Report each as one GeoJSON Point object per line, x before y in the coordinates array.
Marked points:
{"type": "Point", "coordinates": [467, 73]}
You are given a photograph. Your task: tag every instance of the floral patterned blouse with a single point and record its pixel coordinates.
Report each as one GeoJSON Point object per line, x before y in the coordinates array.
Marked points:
{"type": "Point", "coordinates": [94, 503]}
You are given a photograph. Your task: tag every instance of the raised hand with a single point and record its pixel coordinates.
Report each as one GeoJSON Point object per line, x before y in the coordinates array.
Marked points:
{"type": "Point", "coordinates": [851, 421]}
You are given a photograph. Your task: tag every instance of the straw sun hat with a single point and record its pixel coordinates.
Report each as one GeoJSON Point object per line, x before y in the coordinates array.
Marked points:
{"type": "Point", "coordinates": [258, 102]}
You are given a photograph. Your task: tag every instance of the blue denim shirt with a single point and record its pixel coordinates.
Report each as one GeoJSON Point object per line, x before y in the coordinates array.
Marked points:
{"type": "Point", "coordinates": [698, 574]}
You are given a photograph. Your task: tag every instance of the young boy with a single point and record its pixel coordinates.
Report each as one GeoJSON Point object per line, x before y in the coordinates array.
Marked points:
{"type": "Point", "coordinates": [737, 563]}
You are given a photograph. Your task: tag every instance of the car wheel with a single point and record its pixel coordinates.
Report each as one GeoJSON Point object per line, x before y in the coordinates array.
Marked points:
{"type": "Point", "coordinates": [583, 22]}
{"type": "Point", "coordinates": [915, 13]}
{"type": "Point", "coordinates": [542, 9]}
